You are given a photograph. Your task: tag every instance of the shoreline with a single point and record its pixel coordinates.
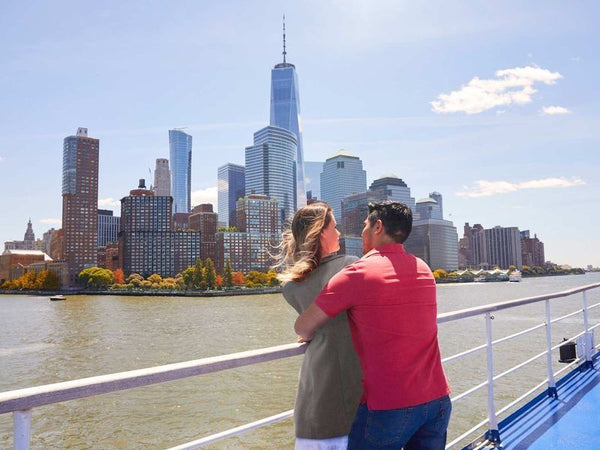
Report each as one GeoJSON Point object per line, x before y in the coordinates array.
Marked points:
{"type": "Point", "coordinates": [224, 292]}
{"type": "Point", "coordinates": [153, 293]}
{"type": "Point", "coordinates": [455, 280]}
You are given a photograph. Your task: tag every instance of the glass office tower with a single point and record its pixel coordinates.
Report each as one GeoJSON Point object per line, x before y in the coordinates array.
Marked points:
{"type": "Point", "coordinates": [180, 152]}
{"type": "Point", "coordinates": [342, 175]}
{"type": "Point", "coordinates": [231, 186]}
{"type": "Point", "coordinates": [271, 168]}
{"type": "Point", "coordinates": [285, 113]}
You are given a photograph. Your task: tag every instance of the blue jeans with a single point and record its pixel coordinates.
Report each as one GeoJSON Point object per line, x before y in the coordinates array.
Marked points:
{"type": "Point", "coordinates": [420, 427]}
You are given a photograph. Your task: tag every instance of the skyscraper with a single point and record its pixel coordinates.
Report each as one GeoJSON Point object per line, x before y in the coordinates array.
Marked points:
{"type": "Point", "coordinates": [342, 175]}
{"type": "Point", "coordinates": [355, 207]}
{"type": "Point", "coordinates": [394, 189]}
{"type": "Point", "coordinates": [285, 113]}
{"type": "Point", "coordinates": [486, 248]}
{"type": "Point", "coordinates": [180, 151]}
{"type": "Point", "coordinates": [162, 178]}
{"type": "Point", "coordinates": [231, 186]}
{"type": "Point", "coordinates": [147, 241]}
{"type": "Point", "coordinates": [504, 247]}
{"type": "Point", "coordinates": [108, 227]}
{"type": "Point", "coordinates": [80, 201]}
{"type": "Point", "coordinates": [433, 239]}
{"type": "Point", "coordinates": [271, 168]}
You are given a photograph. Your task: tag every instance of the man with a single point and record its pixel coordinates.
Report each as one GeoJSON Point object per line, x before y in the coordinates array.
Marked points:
{"type": "Point", "coordinates": [390, 297]}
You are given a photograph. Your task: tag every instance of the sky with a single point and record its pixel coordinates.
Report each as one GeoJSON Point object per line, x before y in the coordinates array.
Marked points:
{"type": "Point", "coordinates": [493, 104]}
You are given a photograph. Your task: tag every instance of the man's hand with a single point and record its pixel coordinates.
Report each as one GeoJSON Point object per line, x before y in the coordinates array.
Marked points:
{"type": "Point", "coordinates": [308, 322]}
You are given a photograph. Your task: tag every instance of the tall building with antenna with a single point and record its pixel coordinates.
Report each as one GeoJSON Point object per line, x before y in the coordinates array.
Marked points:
{"type": "Point", "coordinates": [180, 155]}
{"type": "Point", "coordinates": [285, 112]}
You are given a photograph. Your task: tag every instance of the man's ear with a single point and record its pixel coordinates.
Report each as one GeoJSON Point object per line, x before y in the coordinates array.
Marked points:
{"type": "Point", "coordinates": [378, 226]}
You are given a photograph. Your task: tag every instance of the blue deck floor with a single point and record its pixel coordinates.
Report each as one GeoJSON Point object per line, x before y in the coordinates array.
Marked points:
{"type": "Point", "coordinates": [570, 422]}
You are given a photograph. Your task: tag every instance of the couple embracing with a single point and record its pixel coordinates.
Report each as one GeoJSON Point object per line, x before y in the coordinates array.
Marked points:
{"type": "Point", "coordinates": [372, 375]}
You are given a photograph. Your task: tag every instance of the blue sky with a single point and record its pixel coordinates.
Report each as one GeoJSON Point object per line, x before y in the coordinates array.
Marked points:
{"type": "Point", "coordinates": [493, 104]}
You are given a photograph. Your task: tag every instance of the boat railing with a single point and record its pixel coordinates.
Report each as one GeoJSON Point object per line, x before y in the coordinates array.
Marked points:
{"type": "Point", "coordinates": [21, 402]}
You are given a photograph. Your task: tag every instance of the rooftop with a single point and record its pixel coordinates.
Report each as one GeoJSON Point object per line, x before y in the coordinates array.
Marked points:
{"type": "Point", "coordinates": [343, 152]}
{"type": "Point", "coordinates": [27, 252]}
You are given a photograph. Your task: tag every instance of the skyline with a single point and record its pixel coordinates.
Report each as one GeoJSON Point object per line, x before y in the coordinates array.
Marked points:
{"type": "Point", "coordinates": [494, 106]}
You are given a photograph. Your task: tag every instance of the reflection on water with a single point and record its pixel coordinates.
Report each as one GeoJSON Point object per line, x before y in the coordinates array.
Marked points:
{"type": "Point", "coordinates": [44, 342]}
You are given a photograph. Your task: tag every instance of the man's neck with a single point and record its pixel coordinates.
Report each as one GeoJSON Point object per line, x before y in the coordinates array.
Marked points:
{"type": "Point", "coordinates": [383, 240]}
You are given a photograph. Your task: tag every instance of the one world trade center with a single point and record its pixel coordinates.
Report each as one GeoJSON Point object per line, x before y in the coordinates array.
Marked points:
{"type": "Point", "coordinates": [285, 113]}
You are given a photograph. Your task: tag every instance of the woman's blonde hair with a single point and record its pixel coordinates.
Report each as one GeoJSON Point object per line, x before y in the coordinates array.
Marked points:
{"type": "Point", "coordinates": [300, 249]}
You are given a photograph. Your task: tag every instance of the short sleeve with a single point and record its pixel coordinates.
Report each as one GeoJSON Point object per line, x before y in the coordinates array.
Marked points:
{"type": "Point", "coordinates": [341, 292]}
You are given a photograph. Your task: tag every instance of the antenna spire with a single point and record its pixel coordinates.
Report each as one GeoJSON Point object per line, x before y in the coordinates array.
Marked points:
{"type": "Point", "coordinates": [284, 52]}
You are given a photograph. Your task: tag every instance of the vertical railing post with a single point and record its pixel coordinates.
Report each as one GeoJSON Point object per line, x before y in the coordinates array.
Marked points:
{"type": "Point", "coordinates": [587, 337]}
{"type": "Point", "coordinates": [493, 435]}
{"type": "Point", "coordinates": [22, 429]}
{"type": "Point", "coordinates": [551, 382]}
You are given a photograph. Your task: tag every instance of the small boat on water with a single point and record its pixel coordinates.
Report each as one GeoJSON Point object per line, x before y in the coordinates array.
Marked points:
{"type": "Point", "coordinates": [515, 276]}
{"type": "Point", "coordinates": [56, 298]}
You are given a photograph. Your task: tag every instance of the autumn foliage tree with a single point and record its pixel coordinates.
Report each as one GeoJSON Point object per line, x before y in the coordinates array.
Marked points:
{"type": "Point", "coordinates": [47, 280]}
{"type": "Point", "coordinates": [228, 274]}
{"type": "Point", "coordinates": [119, 276]}
{"type": "Point", "coordinates": [210, 275]}
{"type": "Point", "coordinates": [238, 279]}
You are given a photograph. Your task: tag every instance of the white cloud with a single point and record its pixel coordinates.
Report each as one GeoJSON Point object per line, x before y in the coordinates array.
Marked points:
{"type": "Point", "coordinates": [108, 202]}
{"type": "Point", "coordinates": [2, 158]}
{"type": "Point", "coordinates": [50, 221]}
{"type": "Point", "coordinates": [554, 110]}
{"type": "Point", "coordinates": [485, 188]}
{"type": "Point", "coordinates": [208, 195]}
{"type": "Point", "coordinates": [511, 86]}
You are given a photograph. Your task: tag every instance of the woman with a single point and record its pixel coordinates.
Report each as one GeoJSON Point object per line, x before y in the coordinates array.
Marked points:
{"type": "Point", "coordinates": [329, 386]}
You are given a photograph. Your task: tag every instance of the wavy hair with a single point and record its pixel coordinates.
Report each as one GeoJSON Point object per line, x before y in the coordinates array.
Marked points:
{"type": "Point", "coordinates": [300, 248]}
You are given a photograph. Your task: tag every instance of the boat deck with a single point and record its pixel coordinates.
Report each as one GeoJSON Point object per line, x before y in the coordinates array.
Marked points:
{"type": "Point", "coordinates": [569, 422]}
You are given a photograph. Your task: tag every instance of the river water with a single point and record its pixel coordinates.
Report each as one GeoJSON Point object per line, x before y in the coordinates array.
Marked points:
{"type": "Point", "coordinates": [44, 342]}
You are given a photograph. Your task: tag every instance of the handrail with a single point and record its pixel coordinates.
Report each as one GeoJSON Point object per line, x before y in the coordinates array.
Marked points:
{"type": "Point", "coordinates": [479, 310]}
{"type": "Point", "coordinates": [21, 401]}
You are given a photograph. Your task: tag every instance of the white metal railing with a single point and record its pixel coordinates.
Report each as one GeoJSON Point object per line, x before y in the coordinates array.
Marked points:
{"type": "Point", "coordinates": [21, 402]}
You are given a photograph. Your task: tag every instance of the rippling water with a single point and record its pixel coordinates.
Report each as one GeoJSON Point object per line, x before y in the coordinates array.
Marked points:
{"type": "Point", "coordinates": [45, 342]}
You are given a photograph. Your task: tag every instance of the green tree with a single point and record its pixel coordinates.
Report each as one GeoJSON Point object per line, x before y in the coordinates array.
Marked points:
{"type": "Point", "coordinates": [199, 275]}
{"type": "Point", "coordinates": [210, 274]}
{"type": "Point", "coordinates": [228, 274]}
{"type": "Point", "coordinates": [272, 279]}
{"type": "Point", "coordinates": [95, 277]}
{"type": "Point", "coordinates": [187, 277]}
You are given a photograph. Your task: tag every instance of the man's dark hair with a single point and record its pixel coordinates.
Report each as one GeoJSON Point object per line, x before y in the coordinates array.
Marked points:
{"type": "Point", "coordinates": [396, 218]}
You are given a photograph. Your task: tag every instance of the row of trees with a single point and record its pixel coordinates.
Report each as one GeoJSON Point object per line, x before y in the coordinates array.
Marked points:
{"type": "Point", "coordinates": [44, 280]}
{"type": "Point", "coordinates": [201, 276]}
{"type": "Point", "coordinates": [549, 270]}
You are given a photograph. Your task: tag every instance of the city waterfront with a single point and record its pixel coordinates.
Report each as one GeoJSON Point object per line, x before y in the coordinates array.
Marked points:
{"type": "Point", "coordinates": [45, 342]}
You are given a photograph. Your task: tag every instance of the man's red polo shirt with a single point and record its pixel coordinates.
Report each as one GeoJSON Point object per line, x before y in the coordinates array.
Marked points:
{"type": "Point", "coordinates": [390, 296]}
